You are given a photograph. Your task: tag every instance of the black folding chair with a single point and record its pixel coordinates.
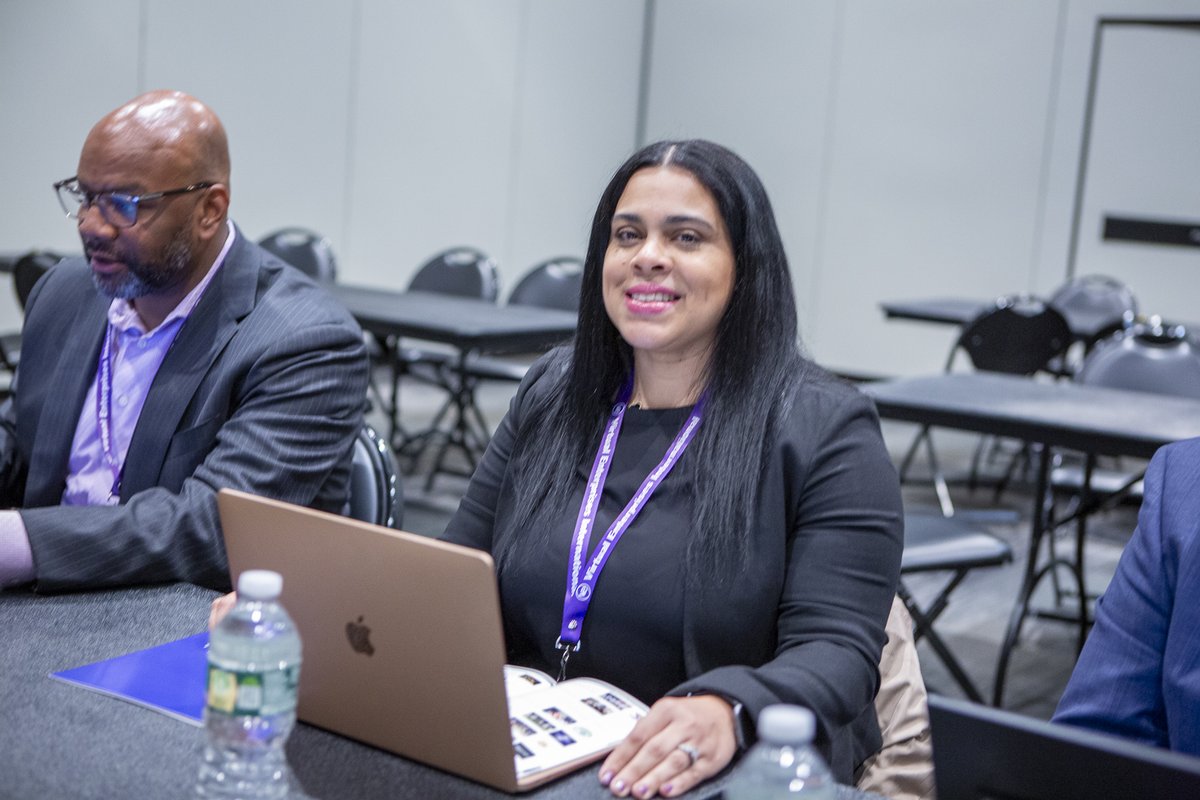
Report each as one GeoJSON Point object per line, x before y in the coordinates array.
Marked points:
{"type": "Point", "coordinates": [462, 272]}
{"type": "Point", "coordinates": [309, 252]}
{"type": "Point", "coordinates": [553, 283]}
{"type": "Point", "coordinates": [1019, 335]}
{"type": "Point", "coordinates": [933, 543]}
{"type": "Point", "coordinates": [376, 493]}
{"type": "Point", "coordinates": [1097, 304]}
{"type": "Point", "coordinates": [26, 272]}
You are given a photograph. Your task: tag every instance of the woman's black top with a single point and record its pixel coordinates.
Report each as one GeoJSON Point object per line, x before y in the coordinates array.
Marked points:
{"type": "Point", "coordinates": [637, 610]}
{"type": "Point", "coordinates": [802, 621]}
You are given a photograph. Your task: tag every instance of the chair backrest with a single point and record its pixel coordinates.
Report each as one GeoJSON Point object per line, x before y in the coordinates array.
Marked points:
{"type": "Point", "coordinates": [554, 283]}
{"type": "Point", "coordinates": [1095, 301]}
{"type": "Point", "coordinates": [28, 269]}
{"type": "Point", "coordinates": [1019, 335]}
{"type": "Point", "coordinates": [1145, 358]}
{"type": "Point", "coordinates": [376, 494]}
{"type": "Point", "coordinates": [305, 250]}
{"type": "Point", "coordinates": [461, 271]}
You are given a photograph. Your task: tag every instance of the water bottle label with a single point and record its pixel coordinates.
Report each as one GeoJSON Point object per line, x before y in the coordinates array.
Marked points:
{"type": "Point", "coordinates": [253, 693]}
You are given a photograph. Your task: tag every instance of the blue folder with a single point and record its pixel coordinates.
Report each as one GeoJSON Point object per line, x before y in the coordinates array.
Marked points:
{"type": "Point", "coordinates": [169, 678]}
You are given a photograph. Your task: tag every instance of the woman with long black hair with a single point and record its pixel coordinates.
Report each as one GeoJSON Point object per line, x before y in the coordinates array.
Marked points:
{"type": "Point", "coordinates": [680, 502]}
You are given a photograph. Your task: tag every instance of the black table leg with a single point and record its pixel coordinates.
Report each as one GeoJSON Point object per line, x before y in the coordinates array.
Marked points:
{"type": "Point", "coordinates": [1085, 500]}
{"type": "Point", "coordinates": [1030, 580]}
{"type": "Point", "coordinates": [460, 434]}
{"type": "Point", "coordinates": [1042, 527]}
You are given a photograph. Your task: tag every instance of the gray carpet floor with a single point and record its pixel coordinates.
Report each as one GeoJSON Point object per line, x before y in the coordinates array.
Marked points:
{"type": "Point", "coordinates": [973, 624]}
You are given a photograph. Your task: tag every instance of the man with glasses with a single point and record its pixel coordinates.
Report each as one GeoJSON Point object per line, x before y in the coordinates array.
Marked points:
{"type": "Point", "coordinates": [175, 358]}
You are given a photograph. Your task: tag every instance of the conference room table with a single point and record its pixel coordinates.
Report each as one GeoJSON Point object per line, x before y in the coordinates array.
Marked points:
{"type": "Point", "coordinates": [471, 328]}
{"type": "Point", "coordinates": [1085, 324]}
{"type": "Point", "coordinates": [1054, 414]}
{"type": "Point", "coordinates": [62, 741]}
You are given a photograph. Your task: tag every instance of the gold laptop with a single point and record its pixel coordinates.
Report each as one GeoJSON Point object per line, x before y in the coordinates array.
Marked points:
{"type": "Point", "coordinates": [404, 648]}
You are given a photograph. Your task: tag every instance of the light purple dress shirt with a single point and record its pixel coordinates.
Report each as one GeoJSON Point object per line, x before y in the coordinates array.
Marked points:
{"type": "Point", "coordinates": [136, 356]}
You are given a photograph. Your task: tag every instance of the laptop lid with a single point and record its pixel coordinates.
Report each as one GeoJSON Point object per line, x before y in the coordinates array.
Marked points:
{"type": "Point", "coordinates": [982, 753]}
{"type": "Point", "coordinates": [403, 644]}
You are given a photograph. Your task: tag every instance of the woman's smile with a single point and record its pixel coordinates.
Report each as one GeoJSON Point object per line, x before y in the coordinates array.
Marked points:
{"type": "Point", "coordinates": [669, 266]}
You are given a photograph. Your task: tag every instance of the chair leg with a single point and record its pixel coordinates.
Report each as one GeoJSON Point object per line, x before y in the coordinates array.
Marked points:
{"type": "Point", "coordinates": [468, 431]}
{"type": "Point", "coordinates": [925, 436]}
{"type": "Point", "coordinates": [939, 479]}
{"type": "Point", "coordinates": [976, 463]}
{"type": "Point", "coordinates": [1021, 459]}
{"type": "Point", "coordinates": [923, 627]}
{"type": "Point", "coordinates": [435, 428]}
{"type": "Point", "coordinates": [393, 408]}
{"type": "Point", "coordinates": [482, 432]}
{"type": "Point", "coordinates": [911, 453]}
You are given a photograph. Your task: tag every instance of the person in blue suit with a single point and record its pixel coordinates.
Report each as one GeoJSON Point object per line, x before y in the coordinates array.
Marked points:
{"type": "Point", "coordinates": [1139, 673]}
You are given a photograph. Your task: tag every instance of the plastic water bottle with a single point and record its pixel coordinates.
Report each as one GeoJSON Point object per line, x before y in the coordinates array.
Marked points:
{"type": "Point", "coordinates": [783, 765]}
{"type": "Point", "coordinates": [253, 672]}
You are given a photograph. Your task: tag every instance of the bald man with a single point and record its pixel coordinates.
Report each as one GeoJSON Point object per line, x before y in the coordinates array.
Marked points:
{"type": "Point", "coordinates": [174, 359]}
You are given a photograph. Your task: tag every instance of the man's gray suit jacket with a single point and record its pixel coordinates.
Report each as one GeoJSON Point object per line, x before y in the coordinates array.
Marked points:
{"type": "Point", "coordinates": [263, 390]}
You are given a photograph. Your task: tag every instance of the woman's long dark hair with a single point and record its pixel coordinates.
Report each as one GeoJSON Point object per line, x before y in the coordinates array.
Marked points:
{"type": "Point", "coordinates": [754, 366]}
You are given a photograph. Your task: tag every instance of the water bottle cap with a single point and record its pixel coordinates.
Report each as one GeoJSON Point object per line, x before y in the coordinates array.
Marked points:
{"type": "Point", "coordinates": [259, 584]}
{"type": "Point", "coordinates": [783, 724]}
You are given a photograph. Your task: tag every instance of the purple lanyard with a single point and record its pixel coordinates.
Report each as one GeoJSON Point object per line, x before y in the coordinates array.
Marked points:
{"type": "Point", "coordinates": [104, 392]}
{"type": "Point", "coordinates": [581, 587]}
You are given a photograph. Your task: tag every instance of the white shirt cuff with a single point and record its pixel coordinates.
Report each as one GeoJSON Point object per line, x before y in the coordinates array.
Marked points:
{"type": "Point", "coordinates": [16, 557]}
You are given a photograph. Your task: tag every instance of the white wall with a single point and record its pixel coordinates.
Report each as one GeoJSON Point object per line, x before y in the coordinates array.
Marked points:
{"type": "Point", "coordinates": [910, 149]}
{"type": "Point", "coordinates": [755, 76]}
{"type": "Point", "coordinates": [934, 160]}
{"type": "Point", "coordinates": [279, 74]}
{"type": "Point", "coordinates": [1144, 161]}
{"type": "Point", "coordinates": [900, 142]}
{"type": "Point", "coordinates": [53, 88]}
{"type": "Point", "coordinates": [488, 124]}
{"type": "Point", "coordinates": [1161, 293]}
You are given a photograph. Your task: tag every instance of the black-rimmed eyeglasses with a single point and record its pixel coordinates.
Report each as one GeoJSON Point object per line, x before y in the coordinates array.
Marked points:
{"type": "Point", "coordinates": [118, 209]}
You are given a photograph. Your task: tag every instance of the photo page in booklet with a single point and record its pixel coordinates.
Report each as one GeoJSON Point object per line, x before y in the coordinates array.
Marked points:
{"type": "Point", "coordinates": [558, 727]}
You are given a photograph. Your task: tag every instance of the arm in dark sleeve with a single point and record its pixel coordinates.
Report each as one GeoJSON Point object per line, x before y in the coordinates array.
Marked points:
{"type": "Point", "coordinates": [1116, 684]}
{"type": "Point", "coordinates": [842, 565]}
{"type": "Point", "coordinates": [292, 422]}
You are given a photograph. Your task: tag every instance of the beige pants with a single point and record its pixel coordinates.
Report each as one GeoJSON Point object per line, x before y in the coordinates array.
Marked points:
{"type": "Point", "coordinates": [903, 767]}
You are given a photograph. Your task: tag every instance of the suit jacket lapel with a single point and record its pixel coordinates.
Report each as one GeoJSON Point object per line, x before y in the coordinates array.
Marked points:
{"type": "Point", "coordinates": [214, 320]}
{"type": "Point", "coordinates": [73, 377]}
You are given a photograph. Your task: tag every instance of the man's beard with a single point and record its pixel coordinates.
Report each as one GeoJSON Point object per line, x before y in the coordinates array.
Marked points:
{"type": "Point", "coordinates": [143, 277]}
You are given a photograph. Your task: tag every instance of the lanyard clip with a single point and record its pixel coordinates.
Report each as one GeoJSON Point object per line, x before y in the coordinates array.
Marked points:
{"type": "Point", "coordinates": [567, 648]}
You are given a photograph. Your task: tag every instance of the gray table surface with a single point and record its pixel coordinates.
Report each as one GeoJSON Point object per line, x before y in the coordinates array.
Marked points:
{"type": "Point", "coordinates": [61, 741]}
{"type": "Point", "coordinates": [465, 323]}
{"type": "Point", "coordinates": [1090, 419]}
{"type": "Point", "coordinates": [1086, 324]}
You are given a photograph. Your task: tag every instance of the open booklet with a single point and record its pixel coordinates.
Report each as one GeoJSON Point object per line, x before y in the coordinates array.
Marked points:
{"type": "Point", "coordinates": [558, 727]}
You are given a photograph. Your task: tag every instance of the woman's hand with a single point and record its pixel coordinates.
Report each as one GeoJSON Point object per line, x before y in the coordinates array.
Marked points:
{"type": "Point", "coordinates": [682, 741]}
{"type": "Point", "coordinates": [220, 607]}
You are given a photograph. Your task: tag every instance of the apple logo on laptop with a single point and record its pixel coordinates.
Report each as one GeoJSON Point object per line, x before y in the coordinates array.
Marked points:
{"type": "Point", "coordinates": [360, 637]}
